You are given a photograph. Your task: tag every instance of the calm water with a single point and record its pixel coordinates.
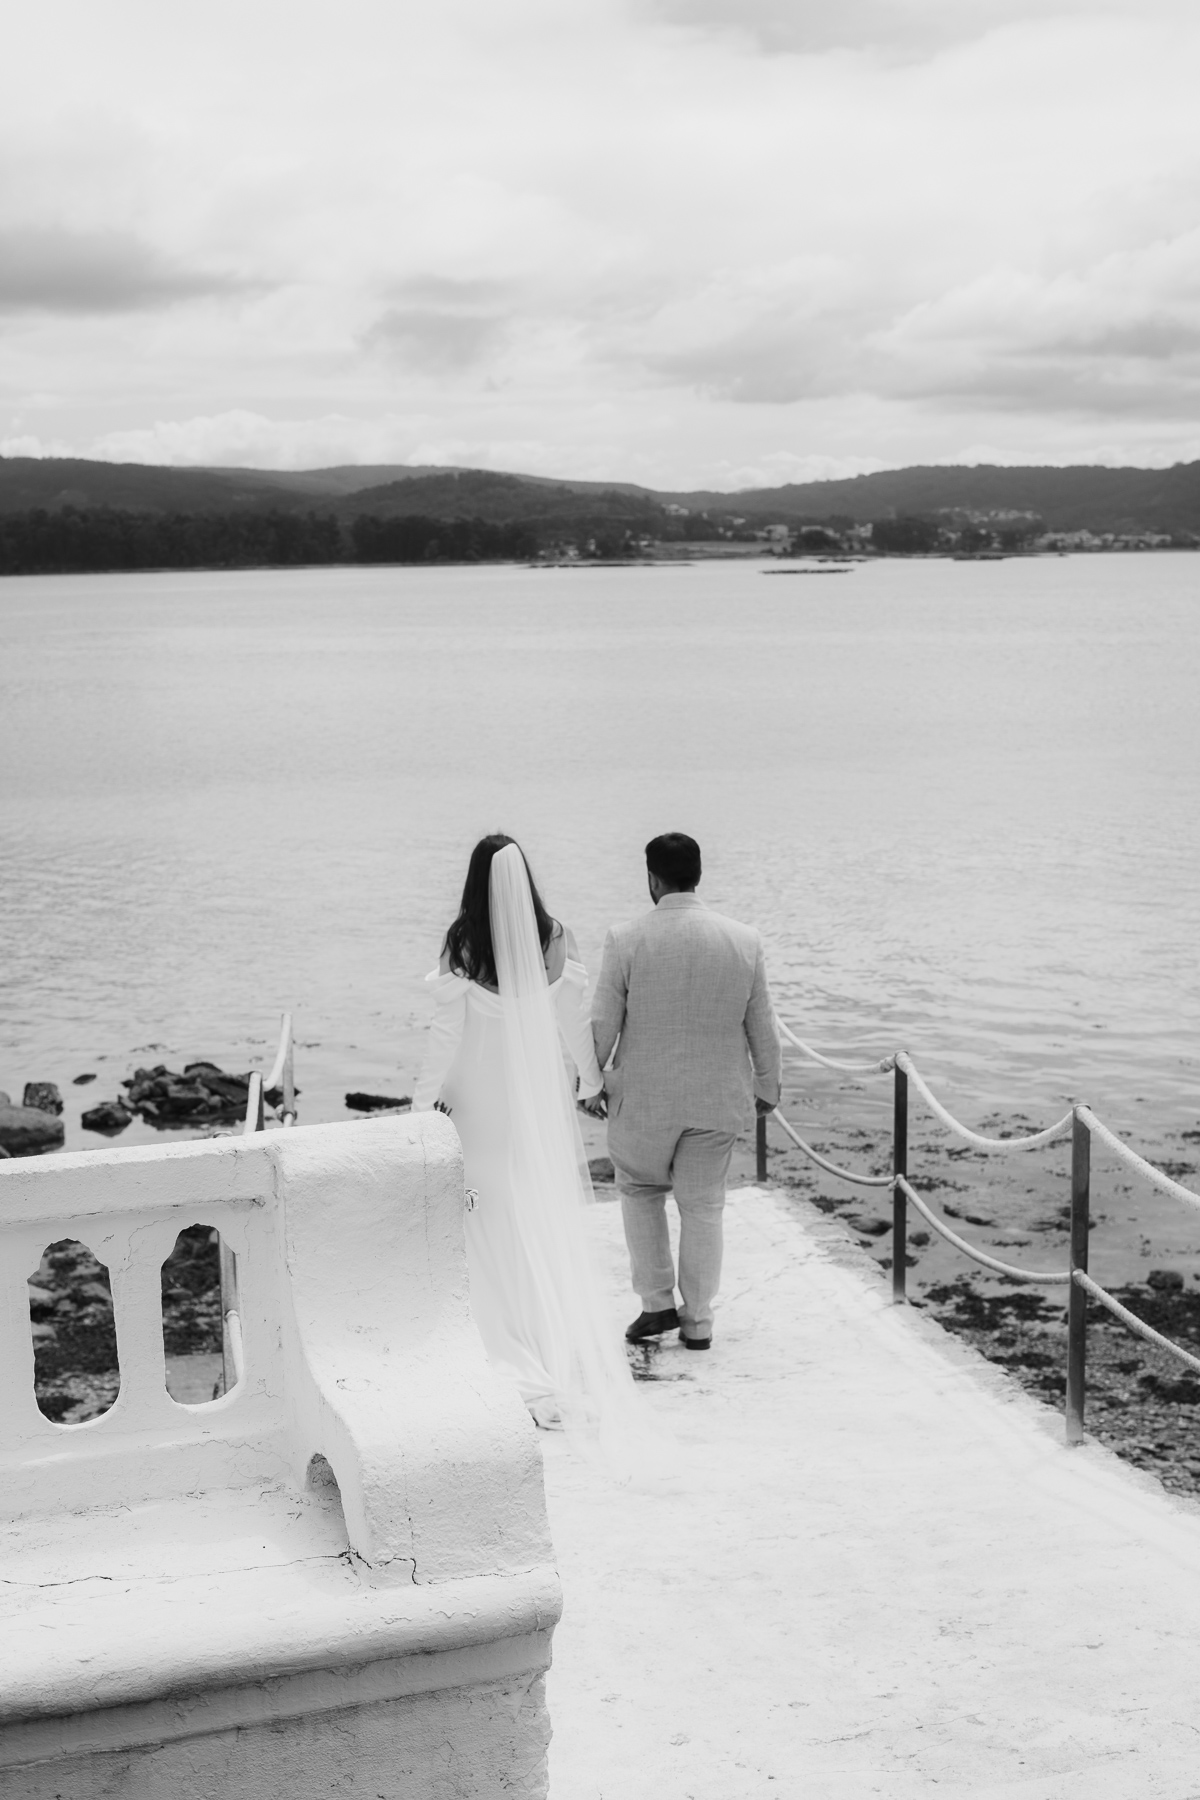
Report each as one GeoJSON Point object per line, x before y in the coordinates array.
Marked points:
{"type": "Point", "coordinates": [959, 799]}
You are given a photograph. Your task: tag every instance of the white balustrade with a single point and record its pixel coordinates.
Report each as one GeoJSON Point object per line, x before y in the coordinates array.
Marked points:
{"type": "Point", "coordinates": [188, 1585]}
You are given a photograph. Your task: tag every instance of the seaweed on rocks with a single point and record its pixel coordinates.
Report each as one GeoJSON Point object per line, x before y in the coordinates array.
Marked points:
{"type": "Point", "coordinates": [1141, 1402]}
{"type": "Point", "coordinates": [203, 1093]}
{"type": "Point", "coordinates": [71, 1317]}
{"type": "Point", "coordinates": [108, 1118]}
{"type": "Point", "coordinates": [191, 1293]}
{"type": "Point", "coordinates": [74, 1336]}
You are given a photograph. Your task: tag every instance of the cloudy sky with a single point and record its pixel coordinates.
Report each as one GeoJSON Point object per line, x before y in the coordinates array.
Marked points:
{"type": "Point", "coordinates": [675, 241]}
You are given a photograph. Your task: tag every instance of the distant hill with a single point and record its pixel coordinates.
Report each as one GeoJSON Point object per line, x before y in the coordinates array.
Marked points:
{"type": "Point", "coordinates": [1085, 496]}
{"type": "Point", "coordinates": [345, 478]}
{"type": "Point", "coordinates": [1067, 499]}
{"type": "Point", "coordinates": [53, 482]}
{"type": "Point", "coordinates": [480, 494]}
{"type": "Point", "coordinates": [390, 489]}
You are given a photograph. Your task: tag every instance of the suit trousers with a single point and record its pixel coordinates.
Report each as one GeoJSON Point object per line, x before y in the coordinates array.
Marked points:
{"type": "Point", "coordinates": [650, 1162]}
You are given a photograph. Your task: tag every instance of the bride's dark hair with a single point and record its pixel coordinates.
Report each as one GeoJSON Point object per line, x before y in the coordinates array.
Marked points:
{"type": "Point", "coordinates": [469, 940]}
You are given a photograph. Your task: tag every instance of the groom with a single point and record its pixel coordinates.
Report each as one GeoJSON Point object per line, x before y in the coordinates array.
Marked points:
{"type": "Point", "coordinates": [683, 996]}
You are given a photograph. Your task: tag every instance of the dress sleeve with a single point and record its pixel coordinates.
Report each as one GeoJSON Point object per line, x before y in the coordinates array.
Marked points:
{"type": "Point", "coordinates": [608, 1002]}
{"type": "Point", "coordinates": [445, 1035]}
{"type": "Point", "coordinates": [575, 1027]}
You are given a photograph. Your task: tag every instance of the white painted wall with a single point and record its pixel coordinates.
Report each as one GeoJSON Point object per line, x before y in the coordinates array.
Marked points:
{"type": "Point", "coordinates": [181, 1604]}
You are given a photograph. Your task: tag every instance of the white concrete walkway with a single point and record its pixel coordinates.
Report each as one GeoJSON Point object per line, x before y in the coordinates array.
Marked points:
{"type": "Point", "coordinates": [883, 1573]}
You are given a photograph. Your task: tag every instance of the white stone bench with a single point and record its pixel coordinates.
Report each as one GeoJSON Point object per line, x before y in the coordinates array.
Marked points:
{"type": "Point", "coordinates": [337, 1577]}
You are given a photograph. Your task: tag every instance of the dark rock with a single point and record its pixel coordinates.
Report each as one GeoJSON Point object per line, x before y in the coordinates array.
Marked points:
{"type": "Point", "coordinates": [43, 1095]}
{"type": "Point", "coordinates": [957, 1212]}
{"type": "Point", "coordinates": [109, 1117]}
{"type": "Point", "coordinates": [82, 1080]}
{"type": "Point", "coordinates": [376, 1102]}
{"type": "Point", "coordinates": [274, 1096]}
{"type": "Point", "coordinates": [202, 1093]}
{"type": "Point", "coordinates": [868, 1226]}
{"type": "Point", "coordinates": [27, 1131]}
{"type": "Point", "coordinates": [600, 1169]}
{"type": "Point", "coordinates": [1165, 1280]}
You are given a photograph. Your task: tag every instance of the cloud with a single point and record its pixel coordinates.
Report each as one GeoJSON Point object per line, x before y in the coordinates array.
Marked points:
{"type": "Point", "coordinates": [45, 268]}
{"type": "Point", "coordinates": [439, 323]}
{"type": "Point", "coordinates": [240, 439]}
{"type": "Point", "coordinates": [28, 443]}
{"type": "Point", "coordinates": [661, 240]}
{"type": "Point", "coordinates": [907, 27]}
{"type": "Point", "coordinates": [782, 466]}
{"type": "Point", "coordinates": [1120, 336]}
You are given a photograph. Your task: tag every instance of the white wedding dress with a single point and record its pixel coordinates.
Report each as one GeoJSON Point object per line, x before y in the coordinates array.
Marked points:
{"type": "Point", "coordinates": [495, 1061]}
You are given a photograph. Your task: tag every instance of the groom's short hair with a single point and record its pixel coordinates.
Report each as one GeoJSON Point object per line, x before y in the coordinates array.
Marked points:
{"type": "Point", "coordinates": [674, 858]}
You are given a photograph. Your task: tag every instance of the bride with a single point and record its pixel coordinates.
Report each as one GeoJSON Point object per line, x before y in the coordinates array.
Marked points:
{"type": "Point", "coordinates": [509, 991]}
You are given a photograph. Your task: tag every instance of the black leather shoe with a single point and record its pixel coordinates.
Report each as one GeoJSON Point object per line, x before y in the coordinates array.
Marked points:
{"type": "Point", "coordinates": [696, 1343]}
{"type": "Point", "coordinates": [651, 1325]}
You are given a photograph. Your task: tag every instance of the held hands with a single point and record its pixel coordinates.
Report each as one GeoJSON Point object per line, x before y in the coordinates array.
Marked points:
{"type": "Point", "coordinates": [596, 1107]}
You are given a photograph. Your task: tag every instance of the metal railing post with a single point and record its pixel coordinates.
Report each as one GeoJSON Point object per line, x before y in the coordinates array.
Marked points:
{"type": "Point", "coordinates": [289, 1082]}
{"type": "Point", "coordinates": [760, 1148]}
{"type": "Point", "coordinates": [229, 1312]}
{"type": "Point", "coordinates": [255, 1117]}
{"type": "Point", "coordinates": [1081, 1181]}
{"type": "Point", "coordinates": [899, 1198]}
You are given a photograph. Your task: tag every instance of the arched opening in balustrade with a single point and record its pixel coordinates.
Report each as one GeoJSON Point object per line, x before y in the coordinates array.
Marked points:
{"type": "Point", "coordinates": [199, 1363]}
{"type": "Point", "coordinates": [76, 1374]}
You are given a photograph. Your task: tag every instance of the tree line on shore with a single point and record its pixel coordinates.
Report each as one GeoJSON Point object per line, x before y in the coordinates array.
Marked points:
{"type": "Point", "coordinates": [72, 539]}
{"type": "Point", "coordinates": [82, 540]}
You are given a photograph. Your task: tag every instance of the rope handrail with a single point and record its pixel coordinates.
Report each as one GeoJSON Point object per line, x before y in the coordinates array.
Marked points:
{"type": "Point", "coordinates": [884, 1066]}
{"type": "Point", "coordinates": [275, 1078]}
{"type": "Point", "coordinates": [1044, 1277]}
{"type": "Point", "coordinates": [1120, 1148]}
{"type": "Point", "coordinates": [905, 1064]}
{"type": "Point", "coordinates": [1085, 1129]}
{"type": "Point", "coordinates": [830, 1168]}
{"type": "Point", "coordinates": [1123, 1313]}
{"type": "Point", "coordinates": [280, 1081]}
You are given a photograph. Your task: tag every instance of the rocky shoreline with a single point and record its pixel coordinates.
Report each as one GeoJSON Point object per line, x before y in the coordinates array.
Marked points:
{"type": "Point", "coordinates": [201, 1094]}
{"type": "Point", "coordinates": [71, 1318]}
{"type": "Point", "coordinates": [36, 1125]}
{"type": "Point", "coordinates": [1141, 1402]}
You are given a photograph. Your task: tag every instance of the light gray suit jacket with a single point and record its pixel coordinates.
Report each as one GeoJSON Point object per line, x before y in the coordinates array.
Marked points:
{"type": "Point", "coordinates": [683, 995]}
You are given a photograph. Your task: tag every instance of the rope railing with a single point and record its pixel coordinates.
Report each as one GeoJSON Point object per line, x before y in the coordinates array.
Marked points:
{"type": "Point", "coordinates": [1056, 1278]}
{"type": "Point", "coordinates": [831, 1168]}
{"type": "Point", "coordinates": [1083, 1126]}
{"type": "Point", "coordinates": [883, 1066]}
{"type": "Point", "coordinates": [1120, 1149]}
{"type": "Point", "coordinates": [1123, 1313]}
{"type": "Point", "coordinates": [1033, 1142]}
{"type": "Point", "coordinates": [280, 1081]}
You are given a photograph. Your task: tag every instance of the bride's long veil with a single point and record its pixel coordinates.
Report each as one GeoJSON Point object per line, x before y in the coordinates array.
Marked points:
{"type": "Point", "coordinates": [563, 1309]}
